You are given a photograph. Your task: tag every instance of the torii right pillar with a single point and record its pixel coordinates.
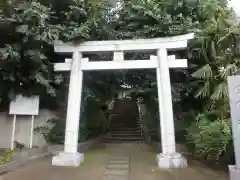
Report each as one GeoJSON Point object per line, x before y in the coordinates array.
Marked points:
{"type": "Point", "coordinates": [169, 158]}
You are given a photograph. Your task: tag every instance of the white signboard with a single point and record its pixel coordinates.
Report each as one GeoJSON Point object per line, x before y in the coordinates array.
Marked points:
{"type": "Point", "coordinates": [22, 105]}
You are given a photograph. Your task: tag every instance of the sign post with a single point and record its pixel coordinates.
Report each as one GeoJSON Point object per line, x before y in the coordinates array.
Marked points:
{"type": "Point", "coordinates": [13, 131]}
{"type": "Point", "coordinates": [31, 132]}
{"type": "Point", "coordinates": [234, 100]}
{"type": "Point", "coordinates": [22, 105]}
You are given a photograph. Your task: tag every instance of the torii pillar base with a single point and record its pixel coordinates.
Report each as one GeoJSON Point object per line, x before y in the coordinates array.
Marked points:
{"type": "Point", "coordinates": [234, 172]}
{"type": "Point", "coordinates": [68, 159]}
{"type": "Point", "coordinates": [174, 160]}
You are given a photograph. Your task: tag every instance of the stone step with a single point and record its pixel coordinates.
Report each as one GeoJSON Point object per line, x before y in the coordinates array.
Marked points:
{"type": "Point", "coordinates": [125, 128]}
{"type": "Point", "coordinates": [131, 115]}
{"type": "Point", "coordinates": [128, 122]}
{"type": "Point", "coordinates": [115, 140]}
{"type": "Point", "coordinates": [124, 137]}
{"type": "Point", "coordinates": [133, 134]}
{"type": "Point", "coordinates": [124, 116]}
{"type": "Point", "coordinates": [120, 122]}
{"type": "Point", "coordinates": [124, 133]}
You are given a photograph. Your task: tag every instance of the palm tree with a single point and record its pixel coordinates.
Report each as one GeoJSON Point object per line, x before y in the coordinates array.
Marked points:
{"type": "Point", "coordinates": [217, 53]}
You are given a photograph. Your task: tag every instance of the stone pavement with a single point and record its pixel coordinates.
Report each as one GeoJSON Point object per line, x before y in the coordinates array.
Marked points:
{"type": "Point", "coordinates": [134, 161]}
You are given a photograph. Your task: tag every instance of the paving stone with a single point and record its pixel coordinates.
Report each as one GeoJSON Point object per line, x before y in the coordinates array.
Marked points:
{"type": "Point", "coordinates": [111, 177]}
{"type": "Point", "coordinates": [119, 158]}
{"type": "Point", "coordinates": [115, 161]}
{"type": "Point", "coordinates": [118, 162]}
{"type": "Point", "coordinates": [117, 172]}
{"type": "Point", "coordinates": [117, 166]}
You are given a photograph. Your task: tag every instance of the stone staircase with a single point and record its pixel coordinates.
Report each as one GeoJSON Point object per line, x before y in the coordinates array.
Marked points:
{"type": "Point", "coordinates": [124, 123]}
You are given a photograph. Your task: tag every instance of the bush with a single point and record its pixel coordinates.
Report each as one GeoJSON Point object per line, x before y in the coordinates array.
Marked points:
{"type": "Point", "coordinates": [151, 126]}
{"type": "Point", "coordinates": [54, 131]}
{"type": "Point", "coordinates": [96, 121]}
{"type": "Point", "coordinates": [150, 120]}
{"type": "Point", "coordinates": [209, 139]}
{"type": "Point", "coordinates": [181, 124]}
{"type": "Point", "coordinates": [5, 156]}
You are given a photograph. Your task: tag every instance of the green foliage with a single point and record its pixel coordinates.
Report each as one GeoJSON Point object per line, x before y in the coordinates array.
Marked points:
{"type": "Point", "coordinates": [25, 67]}
{"type": "Point", "coordinates": [18, 145]}
{"type": "Point", "coordinates": [210, 139]}
{"type": "Point", "coordinates": [151, 126]}
{"type": "Point", "coordinates": [181, 125]}
{"type": "Point", "coordinates": [93, 123]}
{"type": "Point", "coordinates": [150, 118]}
{"type": "Point", "coordinates": [5, 156]}
{"type": "Point", "coordinates": [75, 21]}
{"type": "Point", "coordinates": [155, 18]}
{"type": "Point", "coordinates": [216, 53]}
{"type": "Point", "coordinates": [53, 131]}
{"type": "Point", "coordinates": [29, 29]}
{"type": "Point", "coordinates": [96, 122]}
{"type": "Point", "coordinates": [85, 21]}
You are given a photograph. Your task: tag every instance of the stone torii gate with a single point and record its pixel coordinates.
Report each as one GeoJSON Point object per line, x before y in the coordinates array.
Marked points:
{"type": "Point", "coordinates": [169, 158]}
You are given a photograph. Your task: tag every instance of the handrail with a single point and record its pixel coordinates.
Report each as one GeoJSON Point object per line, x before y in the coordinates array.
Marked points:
{"type": "Point", "coordinates": [140, 117]}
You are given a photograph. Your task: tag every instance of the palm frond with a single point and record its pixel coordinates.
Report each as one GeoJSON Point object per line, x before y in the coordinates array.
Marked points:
{"type": "Point", "coordinates": [220, 92]}
{"type": "Point", "coordinates": [204, 91]}
{"type": "Point", "coordinates": [228, 71]}
{"type": "Point", "coordinates": [204, 72]}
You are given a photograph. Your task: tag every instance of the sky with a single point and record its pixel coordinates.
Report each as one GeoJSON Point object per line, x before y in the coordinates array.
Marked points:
{"type": "Point", "coordinates": [236, 5]}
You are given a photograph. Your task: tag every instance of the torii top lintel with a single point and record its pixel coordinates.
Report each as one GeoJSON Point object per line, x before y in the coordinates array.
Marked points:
{"type": "Point", "coordinates": [175, 42]}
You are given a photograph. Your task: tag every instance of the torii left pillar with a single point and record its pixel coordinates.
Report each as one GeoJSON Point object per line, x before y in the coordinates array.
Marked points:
{"type": "Point", "coordinates": [71, 156]}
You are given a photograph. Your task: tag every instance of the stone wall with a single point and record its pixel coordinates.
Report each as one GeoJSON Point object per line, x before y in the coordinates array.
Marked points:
{"type": "Point", "coordinates": [23, 124]}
